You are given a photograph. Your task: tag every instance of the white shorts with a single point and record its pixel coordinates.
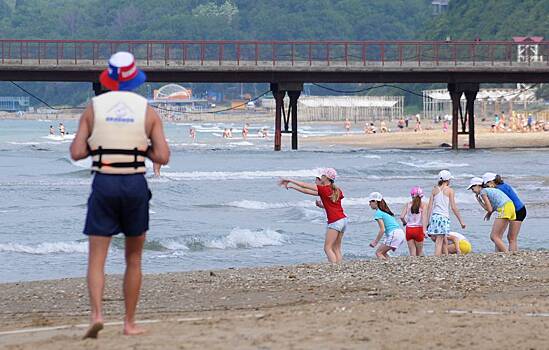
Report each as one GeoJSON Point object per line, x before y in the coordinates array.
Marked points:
{"type": "Point", "coordinates": [339, 225]}
{"type": "Point", "coordinates": [394, 239]}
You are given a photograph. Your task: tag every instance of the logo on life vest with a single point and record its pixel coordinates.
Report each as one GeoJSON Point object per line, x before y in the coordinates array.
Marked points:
{"type": "Point", "coordinates": [120, 113]}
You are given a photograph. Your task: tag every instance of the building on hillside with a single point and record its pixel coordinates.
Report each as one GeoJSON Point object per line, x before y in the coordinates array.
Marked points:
{"type": "Point", "coordinates": [172, 99]}
{"type": "Point", "coordinates": [339, 108]}
{"type": "Point", "coordinates": [14, 103]}
{"type": "Point", "coordinates": [439, 6]}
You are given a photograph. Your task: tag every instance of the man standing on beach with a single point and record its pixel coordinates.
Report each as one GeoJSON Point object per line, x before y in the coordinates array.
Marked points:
{"type": "Point", "coordinates": [118, 129]}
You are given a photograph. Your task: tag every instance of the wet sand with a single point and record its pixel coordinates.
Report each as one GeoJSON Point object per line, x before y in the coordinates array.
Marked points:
{"type": "Point", "coordinates": [488, 301]}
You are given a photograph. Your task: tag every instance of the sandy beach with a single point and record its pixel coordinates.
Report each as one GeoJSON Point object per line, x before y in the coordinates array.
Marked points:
{"type": "Point", "coordinates": [433, 139]}
{"type": "Point", "coordinates": [491, 301]}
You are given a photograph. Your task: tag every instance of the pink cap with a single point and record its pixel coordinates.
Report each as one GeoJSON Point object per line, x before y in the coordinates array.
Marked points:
{"type": "Point", "coordinates": [330, 173]}
{"type": "Point", "coordinates": [416, 192]}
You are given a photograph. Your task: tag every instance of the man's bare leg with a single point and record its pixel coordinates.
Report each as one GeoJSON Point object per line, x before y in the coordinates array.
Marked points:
{"type": "Point", "coordinates": [97, 254]}
{"type": "Point", "coordinates": [132, 282]}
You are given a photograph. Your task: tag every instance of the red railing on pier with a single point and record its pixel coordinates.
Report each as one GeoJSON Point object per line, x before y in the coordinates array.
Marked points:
{"type": "Point", "coordinates": [275, 53]}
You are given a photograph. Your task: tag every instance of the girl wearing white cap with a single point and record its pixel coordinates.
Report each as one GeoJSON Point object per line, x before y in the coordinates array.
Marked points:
{"type": "Point", "coordinates": [388, 227]}
{"type": "Point", "coordinates": [414, 217]}
{"type": "Point", "coordinates": [495, 180]}
{"type": "Point", "coordinates": [441, 200]}
{"type": "Point", "coordinates": [330, 199]}
{"type": "Point", "coordinates": [492, 199]}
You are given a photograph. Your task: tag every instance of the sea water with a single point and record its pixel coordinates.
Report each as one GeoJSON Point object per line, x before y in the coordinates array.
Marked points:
{"type": "Point", "coordinates": [217, 205]}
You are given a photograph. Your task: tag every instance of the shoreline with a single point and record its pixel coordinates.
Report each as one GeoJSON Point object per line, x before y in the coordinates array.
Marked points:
{"type": "Point", "coordinates": [496, 299]}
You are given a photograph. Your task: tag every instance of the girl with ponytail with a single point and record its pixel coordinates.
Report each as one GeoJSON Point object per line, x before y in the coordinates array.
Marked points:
{"type": "Point", "coordinates": [330, 199]}
{"type": "Point", "coordinates": [414, 217]}
{"type": "Point", "coordinates": [388, 227]}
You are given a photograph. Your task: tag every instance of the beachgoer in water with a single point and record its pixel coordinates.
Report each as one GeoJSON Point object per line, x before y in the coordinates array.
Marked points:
{"type": "Point", "coordinates": [330, 199]}
{"type": "Point", "coordinates": [388, 227]}
{"type": "Point", "coordinates": [156, 169]}
{"type": "Point", "coordinates": [264, 133]}
{"type": "Point", "coordinates": [61, 129]}
{"type": "Point", "coordinates": [458, 244]}
{"type": "Point", "coordinates": [119, 201]}
{"type": "Point", "coordinates": [491, 199]}
{"type": "Point", "coordinates": [414, 217]}
{"type": "Point", "coordinates": [192, 133]}
{"type": "Point", "coordinates": [347, 126]}
{"type": "Point", "coordinates": [495, 180]}
{"type": "Point", "coordinates": [225, 133]}
{"type": "Point", "coordinates": [245, 131]}
{"type": "Point", "coordinates": [230, 133]}
{"type": "Point", "coordinates": [441, 200]}
{"type": "Point", "coordinates": [52, 130]}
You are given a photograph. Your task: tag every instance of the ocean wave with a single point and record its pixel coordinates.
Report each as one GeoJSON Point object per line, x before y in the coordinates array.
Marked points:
{"type": "Point", "coordinates": [346, 202]}
{"type": "Point", "coordinates": [238, 238]}
{"type": "Point", "coordinates": [434, 165]}
{"type": "Point", "coordinates": [238, 175]}
{"type": "Point", "coordinates": [45, 248]}
{"type": "Point", "coordinates": [245, 238]}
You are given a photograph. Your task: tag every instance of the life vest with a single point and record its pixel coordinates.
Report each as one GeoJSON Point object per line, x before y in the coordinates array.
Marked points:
{"type": "Point", "coordinates": [118, 142]}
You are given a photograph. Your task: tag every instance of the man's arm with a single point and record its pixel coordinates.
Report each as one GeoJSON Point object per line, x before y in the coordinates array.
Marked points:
{"type": "Point", "coordinates": [159, 152]}
{"type": "Point", "coordinates": [79, 146]}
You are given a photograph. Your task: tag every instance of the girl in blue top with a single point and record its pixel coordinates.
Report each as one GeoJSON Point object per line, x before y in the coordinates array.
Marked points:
{"type": "Point", "coordinates": [494, 180]}
{"type": "Point", "coordinates": [492, 199]}
{"type": "Point", "coordinates": [388, 227]}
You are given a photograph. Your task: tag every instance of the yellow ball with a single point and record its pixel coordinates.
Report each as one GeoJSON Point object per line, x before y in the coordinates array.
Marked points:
{"type": "Point", "coordinates": [465, 247]}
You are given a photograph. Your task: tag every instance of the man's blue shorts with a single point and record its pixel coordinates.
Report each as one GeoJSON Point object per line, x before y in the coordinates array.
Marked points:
{"type": "Point", "coordinates": [118, 203]}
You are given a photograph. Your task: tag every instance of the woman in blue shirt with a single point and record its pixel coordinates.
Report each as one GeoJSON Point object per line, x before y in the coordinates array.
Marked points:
{"type": "Point", "coordinates": [492, 200]}
{"type": "Point", "coordinates": [388, 227]}
{"type": "Point", "coordinates": [494, 180]}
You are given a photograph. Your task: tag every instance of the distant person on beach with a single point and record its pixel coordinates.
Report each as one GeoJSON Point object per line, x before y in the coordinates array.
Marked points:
{"type": "Point", "coordinates": [230, 133]}
{"type": "Point", "coordinates": [119, 202]}
{"type": "Point", "coordinates": [52, 130]}
{"type": "Point", "coordinates": [441, 201]}
{"type": "Point", "coordinates": [226, 133]}
{"type": "Point", "coordinates": [383, 127]}
{"type": "Point", "coordinates": [491, 199]}
{"type": "Point", "coordinates": [61, 129]}
{"type": "Point", "coordinates": [445, 126]}
{"type": "Point", "coordinates": [401, 123]}
{"type": "Point", "coordinates": [389, 229]}
{"type": "Point", "coordinates": [330, 199]}
{"type": "Point", "coordinates": [264, 133]}
{"type": "Point", "coordinates": [494, 180]}
{"type": "Point", "coordinates": [418, 128]}
{"type": "Point", "coordinates": [347, 126]}
{"type": "Point", "coordinates": [414, 217]}
{"type": "Point", "coordinates": [245, 131]}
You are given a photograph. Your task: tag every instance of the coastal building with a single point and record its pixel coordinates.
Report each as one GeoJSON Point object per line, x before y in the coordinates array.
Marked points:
{"type": "Point", "coordinates": [175, 99]}
{"type": "Point", "coordinates": [439, 6]}
{"type": "Point", "coordinates": [14, 103]}
{"type": "Point", "coordinates": [339, 108]}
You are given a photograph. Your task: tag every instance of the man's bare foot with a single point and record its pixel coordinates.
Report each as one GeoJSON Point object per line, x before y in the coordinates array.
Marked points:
{"type": "Point", "coordinates": [132, 329]}
{"type": "Point", "coordinates": [94, 330]}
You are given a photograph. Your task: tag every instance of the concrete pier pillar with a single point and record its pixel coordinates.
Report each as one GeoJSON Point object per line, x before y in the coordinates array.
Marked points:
{"type": "Point", "coordinates": [294, 96]}
{"type": "Point", "coordinates": [468, 120]}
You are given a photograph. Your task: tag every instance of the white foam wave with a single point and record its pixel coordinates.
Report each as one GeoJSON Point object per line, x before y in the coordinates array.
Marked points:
{"type": "Point", "coordinates": [245, 238]}
{"type": "Point", "coordinates": [371, 156]}
{"type": "Point", "coordinates": [434, 165]}
{"type": "Point", "coordinates": [59, 137]}
{"type": "Point", "coordinates": [249, 204]}
{"type": "Point", "coordinates": [236, 175]}
{"type": "Point", "coordinates": [82, 163]}
{"type": "Point", "coordinates": [45, 248]}
{"type": "Point", "coordinates": [242, 143]}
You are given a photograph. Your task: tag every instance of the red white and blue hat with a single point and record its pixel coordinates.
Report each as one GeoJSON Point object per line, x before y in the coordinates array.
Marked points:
{"type": "Point", "coordinates": [122, 74]}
